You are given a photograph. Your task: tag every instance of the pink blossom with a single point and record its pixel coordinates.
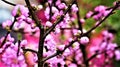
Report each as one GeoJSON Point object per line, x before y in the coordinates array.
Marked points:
{"type": "Point", "coordinates": [7, 23]}
{"type": "Point", "coordinates": [23, 10]}
{"type": "Point", "coordinates": [74, 8]}
{"type": "Point", "coordinates": [58, 2]}
{"type": "Point", "coordinates": [100, 8]}
{"type": "Point", "coordinates": [62, 6]}
{"type": "Point", "coordinates": [10, 58]}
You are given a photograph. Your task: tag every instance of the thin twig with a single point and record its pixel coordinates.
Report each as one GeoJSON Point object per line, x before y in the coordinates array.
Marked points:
{"type": "Point", "coordinates": [78, 18]}
{"type": "Point", "coordinates": [31, 50]}
{"type": "Point", "coordinates": [9, 3]}
{"type": "Point", "coordinates": [18, 47]}
{"type": "Point", "coordinates": [55, 54]}
{"type": "Point", "coordinates": [50, 13]}
{"type": "Point", "coordinates": [68, 28]}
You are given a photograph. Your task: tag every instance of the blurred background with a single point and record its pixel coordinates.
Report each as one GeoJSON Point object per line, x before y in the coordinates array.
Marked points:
{"type": "Point", "coordinates": [84, 5]}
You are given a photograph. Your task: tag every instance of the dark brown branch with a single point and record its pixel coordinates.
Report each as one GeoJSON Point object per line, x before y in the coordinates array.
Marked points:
{"type": "Point", "coordinates": [40, 48]}
{"type": "Point", "coordinates": [78, 17]}
{"type": "Point", "coordinates": [68, 28]}
{"type": "Point", "coordinates": [18, 47]}
{"type": "Point", "coordinates": [41, 38]}
{"type": "Point", "coordinates": [50, 13]}
{"type": "Point", "coordinates": [83, 50]}
{"type": "Point", "coordinates": [31, 50]}
{"type": "Point", "coordinates": [9, 3]}
{"type": "Point", "coordinates": [55, 54]}
{"type": "Point", "coordinates": [3, 42]}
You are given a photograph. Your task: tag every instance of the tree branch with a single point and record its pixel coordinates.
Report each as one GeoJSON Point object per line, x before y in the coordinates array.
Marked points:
{"type": "Point", "coordinates": [78, 19]}
{"type": "Point", "coordinates": [9, 3]}
{"type": "Point", "coordinates": [18, 47]}
{"type": "Point", "coordinates": [31, 50]}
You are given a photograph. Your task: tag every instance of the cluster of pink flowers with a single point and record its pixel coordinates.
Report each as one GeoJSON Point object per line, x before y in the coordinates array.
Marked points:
{"type": "Point", "coordinates": [100, 11]}
{"type": "Point", "coordinates": [9, 53]}
{"type": "Point", "coordinates": [10, 58]}
{"type": "Point", "coordinates": [102, 45]}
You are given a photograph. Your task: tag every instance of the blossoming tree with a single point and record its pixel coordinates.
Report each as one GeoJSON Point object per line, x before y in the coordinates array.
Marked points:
{"type": "Point", "coordinates": [52, 34]}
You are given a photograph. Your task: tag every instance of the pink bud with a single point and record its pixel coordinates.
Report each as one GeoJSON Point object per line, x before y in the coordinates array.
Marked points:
{"type": "Point", "coordinates": [48, 23]}
{"type": "Point", "coordinates": [117, 54]}
{"type": "Point", "coordinates": [89, 14]}
{"type": "Point", "coordinates": [84, 40]}
{"type": "Point", "coordinates": [82, 20]}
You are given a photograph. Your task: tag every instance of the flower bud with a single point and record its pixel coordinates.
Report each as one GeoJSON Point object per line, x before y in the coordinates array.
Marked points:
{"type": "Point", "coordinates": [84, 40]}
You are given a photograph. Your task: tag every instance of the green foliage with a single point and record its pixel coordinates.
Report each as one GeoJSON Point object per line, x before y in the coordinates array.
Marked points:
{"type": "Point", "coordinates": [89, 23]}
{"type": "Point", "coordinates": [114, 22]}
{"type": "Point", "coordinates": [117, 63]}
